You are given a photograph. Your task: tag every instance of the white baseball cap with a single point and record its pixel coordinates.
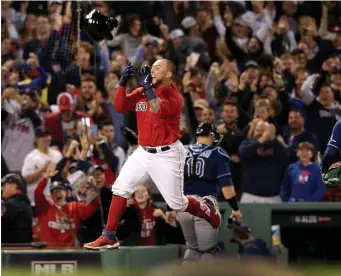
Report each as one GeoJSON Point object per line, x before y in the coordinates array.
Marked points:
{"type": "Point", "coordinates": [55, 2]}
{"type": "Point", "coordinates": [188, 22]}
{"type": "Point", "coordinates": [176, 33]}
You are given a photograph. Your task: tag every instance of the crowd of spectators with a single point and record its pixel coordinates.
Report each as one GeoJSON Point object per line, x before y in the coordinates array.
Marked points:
{"type": "Point", "coordinates": [266, 74]}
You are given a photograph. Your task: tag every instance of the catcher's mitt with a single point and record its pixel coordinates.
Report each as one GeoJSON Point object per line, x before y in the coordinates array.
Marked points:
{"type": "Point", "coordinates": [333, 177]}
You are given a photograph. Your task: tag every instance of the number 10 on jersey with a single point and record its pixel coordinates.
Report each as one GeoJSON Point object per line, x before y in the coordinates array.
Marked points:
{"type": "Point", "coordinates": [195, 166]}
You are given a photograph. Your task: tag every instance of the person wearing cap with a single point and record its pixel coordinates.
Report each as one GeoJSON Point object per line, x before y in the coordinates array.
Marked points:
{"type": "Point", "coordinates": [93, 226]}
{"type": "Point", "coordinates": [32, 102]}
{"type": "Point", "coordinates": [147, 52]}
{"type": "Point", "coordinates": [61, 123]}
{"type": "Point", "coordinates": [238, 35]}
{"type": "Point", "coordinates": [37, 161]}
{"type": "Point", "coordinates": [176, 35]}
{"type": "Point", "coordinates": [208, 30]}
{"type": "Point", "coordinates": [174, 53]}
{"type": "Point", "coordinates": [60, 220]}
{"type": "Point", "coordinates": [190, 26]}
{"type": "Point", "coordinates": [302, 181]}
{"type": "Point", "coordinates": [248, 245]}
{"type": "Point", "coordinates": [193, 42]}
{"type": "Point", "coordinates": [16, 212]}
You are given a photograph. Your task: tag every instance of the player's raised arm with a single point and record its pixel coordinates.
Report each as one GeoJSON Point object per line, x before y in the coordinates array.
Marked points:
{"type": "Point", "coordinates": [124, 102]}
{"type": "Point", "coordinates": [159, 76]}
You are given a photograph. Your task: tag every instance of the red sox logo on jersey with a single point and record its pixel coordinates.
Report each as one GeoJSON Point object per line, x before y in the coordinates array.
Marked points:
{"type": "Point", "coordinates": [62, 224]}
{"type": "Point", "coordinates": [304, 177]}
{"type": "Point", "coordinates": [141, 106]}
{"type": "Point", "coordinates": [147, 228]}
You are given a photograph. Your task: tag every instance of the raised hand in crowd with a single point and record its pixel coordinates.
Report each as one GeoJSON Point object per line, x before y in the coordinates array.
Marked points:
{"type": "Point", "coordinates": [11, 93]}
{"type": "Point", "coordinates": [186, 82]}
{"type": "Point", "coordinates": [95, 108]}
{"type": "Point", "coordinates": [268, 134]}
{"type": "Point", "coordinates": [67, 19]}
{"type": "Point", "coordinates": [51, 170]}
{"type": "Point", "coordinates": [101, 137]}
{"type": "Point", "coordinates": [33, 61]}
{"type": "Point", "coordinates": [278, 64]}
{"type": "Point", "coordinates": [92, 181]}
{"type": "Point", "coordinates": [228, 16]}
{"type": "Point", "coordinates": [164, 29]}
{"type": "Point", "coordinates": [84, 139]}
{"type": "Point", "coordinates": [72, 150]}
{"type": "Point", "coordinates": [252, 127]}
{"type": "Point", "coordinates": [283, 26]}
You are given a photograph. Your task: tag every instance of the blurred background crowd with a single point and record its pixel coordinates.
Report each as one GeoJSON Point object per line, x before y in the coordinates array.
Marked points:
{"type": "Point", "coordinates": [266, 74]}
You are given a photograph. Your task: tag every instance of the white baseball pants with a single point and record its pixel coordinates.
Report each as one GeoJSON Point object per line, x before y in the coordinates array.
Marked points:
{"type": "Point", "coordinates": [165, 169]}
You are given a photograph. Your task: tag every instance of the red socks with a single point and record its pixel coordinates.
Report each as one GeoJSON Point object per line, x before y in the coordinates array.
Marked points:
{"type": "Point", "coordinates": [198, 209]}
{"type": "Point", "coordinates": [117, 208]}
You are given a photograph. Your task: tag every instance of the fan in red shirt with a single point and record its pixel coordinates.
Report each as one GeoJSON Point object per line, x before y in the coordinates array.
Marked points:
{"type": "Point", "coordinates": [142, 223]}
{"type": "Point", "coordinates": [59, 220]}
{"type": "Point", "coordinates": [160, 156]}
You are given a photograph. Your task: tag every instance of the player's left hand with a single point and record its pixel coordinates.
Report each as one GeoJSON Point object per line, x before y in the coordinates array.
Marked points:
{"type": "Point", "coordinates": [145, 77]}
{"type": "Point", "coordinates": [237, 215]}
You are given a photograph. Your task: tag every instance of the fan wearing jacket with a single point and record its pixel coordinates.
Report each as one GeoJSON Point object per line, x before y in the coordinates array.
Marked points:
{"type": "Point", "coordinates": [142, 223]}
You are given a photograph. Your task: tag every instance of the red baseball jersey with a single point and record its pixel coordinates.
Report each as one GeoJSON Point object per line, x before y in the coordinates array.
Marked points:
{"type": "Point", "coordinates": [59, 225]}
{"type": "Point", "coordinates": [154, 129]}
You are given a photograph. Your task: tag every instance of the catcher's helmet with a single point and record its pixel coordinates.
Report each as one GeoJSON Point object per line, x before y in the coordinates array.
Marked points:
{"type": "Point", "coordinates": [205, 129]}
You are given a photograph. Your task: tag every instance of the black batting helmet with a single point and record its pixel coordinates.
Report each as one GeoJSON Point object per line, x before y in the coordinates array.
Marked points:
{"type": "Point", "coordinates": [205, 129]}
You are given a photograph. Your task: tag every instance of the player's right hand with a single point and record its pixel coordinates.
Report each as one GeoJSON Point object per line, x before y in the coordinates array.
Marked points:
{"type": "Point", "coordinates": [237, 215]}
{"type": "Point", "coordinates": [126, 74]}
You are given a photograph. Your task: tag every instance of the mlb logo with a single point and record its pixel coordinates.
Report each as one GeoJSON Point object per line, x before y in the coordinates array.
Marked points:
{"type": "Point", "coordinates": [54, 267]}
{"type": "Point", "coordinates": [141, 106]}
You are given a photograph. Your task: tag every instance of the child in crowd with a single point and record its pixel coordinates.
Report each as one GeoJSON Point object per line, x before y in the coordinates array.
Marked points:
{"type": "Point", "coordinates": [302, 181]}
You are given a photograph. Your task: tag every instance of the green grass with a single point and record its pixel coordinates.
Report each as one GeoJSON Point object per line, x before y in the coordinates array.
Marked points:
{"type": "Point", "coordinates": [307, 270]}
{"type": "Point", "coordinates": [323, 270]}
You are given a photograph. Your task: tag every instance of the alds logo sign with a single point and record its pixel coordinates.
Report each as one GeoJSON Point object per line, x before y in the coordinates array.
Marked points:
{"type": "Point", "coordinates": [54, 267]}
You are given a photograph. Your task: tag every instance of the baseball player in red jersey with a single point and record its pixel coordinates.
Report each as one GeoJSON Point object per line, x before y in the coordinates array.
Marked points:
{"type": "Point", "coordinates": [160, 155]}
